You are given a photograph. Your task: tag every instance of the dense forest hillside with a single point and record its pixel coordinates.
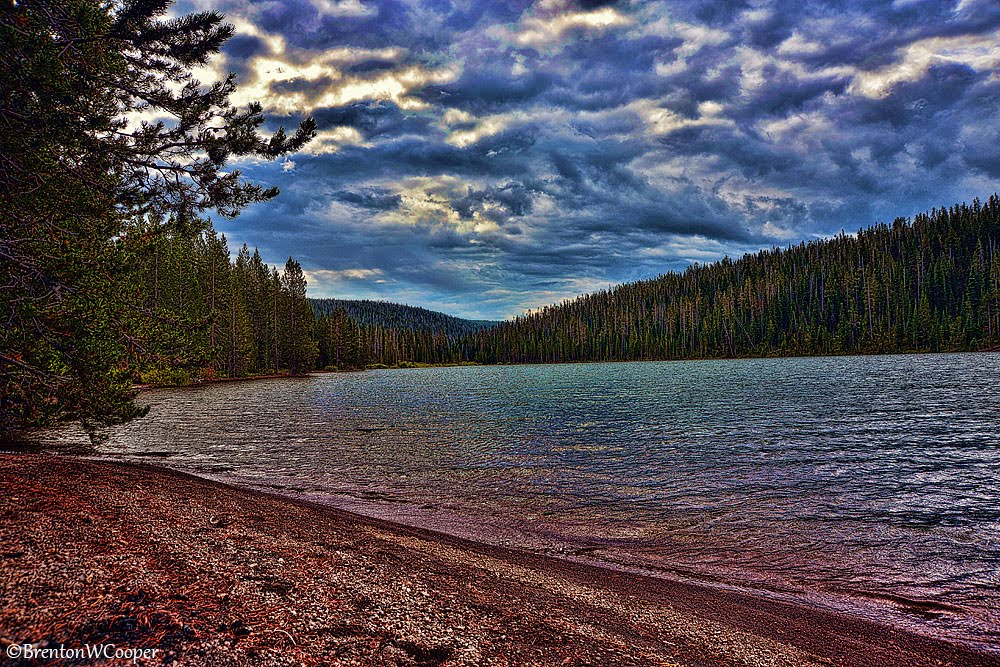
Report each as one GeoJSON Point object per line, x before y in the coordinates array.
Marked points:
{"type": "Point", "coordinates": [356, 334]}
{"type": "Point", "coordinates": [930, 284]}
{"type": "Point", "coordinates": [398, 316]}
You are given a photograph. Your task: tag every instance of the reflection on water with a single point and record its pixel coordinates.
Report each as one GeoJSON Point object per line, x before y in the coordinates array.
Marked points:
{"type": "Point", "coordinates": [867, 484]}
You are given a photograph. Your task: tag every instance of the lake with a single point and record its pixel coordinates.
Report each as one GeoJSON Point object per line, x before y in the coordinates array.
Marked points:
{"type": "Point", "coordinates": [864, 484]}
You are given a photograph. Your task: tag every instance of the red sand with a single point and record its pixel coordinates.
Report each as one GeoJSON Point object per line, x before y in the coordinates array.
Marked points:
{"type": "Point", "coordinates": [139, 556]}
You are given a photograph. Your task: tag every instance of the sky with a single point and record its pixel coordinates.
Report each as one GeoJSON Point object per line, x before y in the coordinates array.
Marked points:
{"type": "Point", "coordinates": [485, 158]}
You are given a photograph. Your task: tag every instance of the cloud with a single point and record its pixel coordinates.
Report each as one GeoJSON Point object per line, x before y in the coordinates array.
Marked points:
{"type": "Point", "coordinates": [378, 199]}
{"type": "Point", "coordinates": [326, 276]}
{"type": "Point", "coordinates": [343, 8]}
{"type": "Point", "coordinates": [916, 61]}
{"type": "Point", "coordinates": [551, 23]}
{"type": "Point", "coordinates": [333, 139]}
{"type": "Point", "coordinates": [488, 157]}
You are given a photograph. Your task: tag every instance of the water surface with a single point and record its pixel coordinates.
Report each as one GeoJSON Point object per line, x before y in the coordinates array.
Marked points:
{"type": "Point", "coordinates": [864, 484]}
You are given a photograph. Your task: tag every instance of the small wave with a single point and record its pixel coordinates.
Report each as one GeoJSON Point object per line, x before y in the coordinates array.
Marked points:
{"type": "Point", "coordinates": [929, 609]}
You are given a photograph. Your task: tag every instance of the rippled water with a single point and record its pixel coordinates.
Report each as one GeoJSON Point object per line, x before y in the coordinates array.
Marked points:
{"type": "Point", "coordinates": [866, 484]}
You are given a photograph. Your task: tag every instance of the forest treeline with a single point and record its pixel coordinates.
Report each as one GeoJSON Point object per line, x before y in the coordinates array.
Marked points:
{"type": "Point", "coordinates": [361, 333]}
{"type": "Point", "coordinates": [930, 284]}
{"type": "Point", "coordinates": [218, 317]}
{"type": "Point", "coordinates": [346, 345]}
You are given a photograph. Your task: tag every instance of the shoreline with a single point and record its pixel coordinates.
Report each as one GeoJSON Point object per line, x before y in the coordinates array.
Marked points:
{"type": "Point", "coordinates": [425, 366]}
{"type": "Point", "coordinates": [825, 355]}
{"type": "Point", "coordinates": [419, 512]}
{"type": "Point", "coordinates": [151, 557]}
{"type": "Point", "coordinates": [476, 364]}
{"type": "Point", "coordinates": [220, 380]}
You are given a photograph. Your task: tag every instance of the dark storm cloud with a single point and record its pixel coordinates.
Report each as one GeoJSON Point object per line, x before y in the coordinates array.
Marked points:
{"type": "Point", "coordinates": [242, 47]}
{"type": "Point", "coordinates": [489, 91]}
{"type": "Point", "coordinates": [377, 199]}
{"type": "Point", "coordinates": [783, 94]}
{"type": "Point", "coordinates": [364, 116]}
{"type": "Point", "coordinates": [305, 25]}
{"type": "Point", "coordinates": [484, 157]}
{"type": "Point", "coordinates": [374, 65]}
{"type": "Point", "coordinates": [373, 119]}
{"type": "Point", "coordinates": [594, 4]}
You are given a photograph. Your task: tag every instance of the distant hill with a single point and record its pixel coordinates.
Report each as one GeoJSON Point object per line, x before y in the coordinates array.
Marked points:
{"type": "Point", "coordinates": [927, 285]}
{"type": "Point", "coordinates": [400, 317]}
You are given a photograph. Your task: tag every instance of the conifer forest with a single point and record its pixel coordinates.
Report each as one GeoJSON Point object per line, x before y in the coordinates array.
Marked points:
{"type": "Point", "coordinates": [927, 285]}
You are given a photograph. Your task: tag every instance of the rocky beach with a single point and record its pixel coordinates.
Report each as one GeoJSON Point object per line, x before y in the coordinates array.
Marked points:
{"type": "Point", "coordinates": [99, 553]}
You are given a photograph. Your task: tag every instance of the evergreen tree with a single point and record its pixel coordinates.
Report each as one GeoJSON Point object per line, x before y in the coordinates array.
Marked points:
{"type": "Point", "coordinates": [60, 343]}
{"type": "Point", "coordinates": [82, 191]}
{"type": "Point", "coordinates": [242, 343]}
{"type": "Point", "coordinates": [299, 348]}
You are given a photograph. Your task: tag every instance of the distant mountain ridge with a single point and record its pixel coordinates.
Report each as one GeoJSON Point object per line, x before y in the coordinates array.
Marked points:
{"type": "Point", "coordinates": [399, 316]}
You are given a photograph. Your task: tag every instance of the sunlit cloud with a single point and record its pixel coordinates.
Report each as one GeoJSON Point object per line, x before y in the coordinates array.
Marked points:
{"type": "Point", "coordinates": [549, 24]}
{"type": "Point", "coordinates": [292, 85]}
{"type": "Point", "coordinates": [489, 157]}
{"type": "Point", "coordinates": [662, 120]}
{"type": "Point", "coordinates": [343, 8]}
{"type": "Point", "coordinates": [915, 60]}
{"type": "Point", "coordinates": [326, 276]}
{"type": "Point", "coordinates": [331, 141]}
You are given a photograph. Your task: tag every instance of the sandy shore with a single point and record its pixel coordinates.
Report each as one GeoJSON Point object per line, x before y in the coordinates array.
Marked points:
{"type": "Point", "coordinates": [139, 556]}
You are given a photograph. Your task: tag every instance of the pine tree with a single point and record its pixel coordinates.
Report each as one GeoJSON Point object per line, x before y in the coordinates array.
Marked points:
{"type": "Point", "coordinates": [299, 348]}
{"type": "Point", "coordinates": [83, 192]}
{"type": "Point", "coordinates": [242, 348]}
